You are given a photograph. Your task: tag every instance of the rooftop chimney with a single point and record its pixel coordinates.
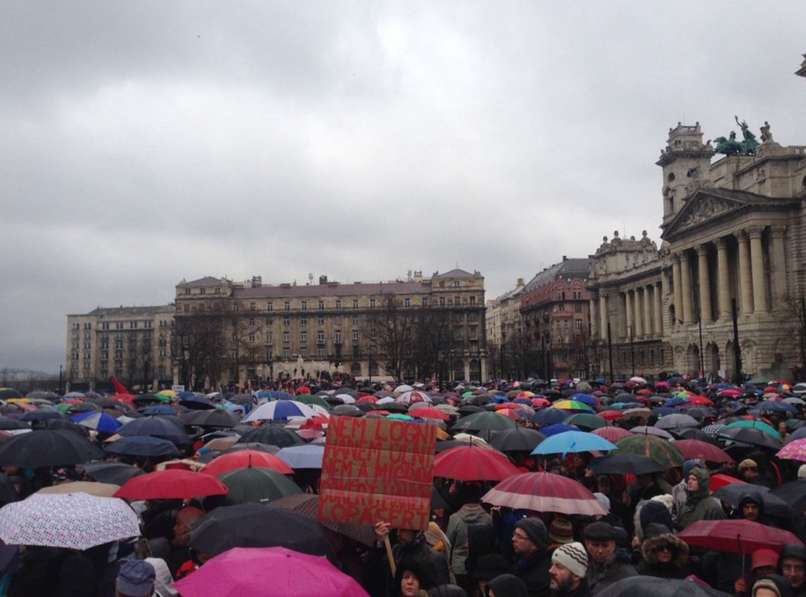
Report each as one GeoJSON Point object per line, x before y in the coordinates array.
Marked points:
{"type": "Point", "coordinates": [322, 280]}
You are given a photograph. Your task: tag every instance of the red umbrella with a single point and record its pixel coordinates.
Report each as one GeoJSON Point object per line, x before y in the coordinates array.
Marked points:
{"type": "Point", "coordinates": [471, 463]}
{"type": "Point", "coordinates": [428, 412]}
{"type": "Point", "coordinates": [695, 448]}
{"type": "Point", "coordinates": [700, 400]}
{"type": "Point", "coordinates": [246, 458]}
{"type": "Point", "coordinates": [612, 434]}
{"type": "Point", "coordinates": [540, 402]}
{"type": "Point", "coordinates": [730, 393]}
{"type": "Point", "coordinates": [367, 399]}
{"type": "Point", "coordinates": [738, 536]}
{"type": "Point", "coordinates": [720, 480]}
{"type": "Point", "coordinates": [170, 484]}
{"type": "Point", "coordinates": [544, 492]}
{"type": "Point", "coordinates": [611, 415]}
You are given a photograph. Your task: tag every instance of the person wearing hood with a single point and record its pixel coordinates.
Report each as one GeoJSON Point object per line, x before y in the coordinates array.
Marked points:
{"type": "Point", "coordinates": [605, 567]}
{"type": "Point", "coordinates": [793, 568]}
{"type": "Point", "coordinates": [663, 554]}
{"type": "Point", "coordinates": [699, 503]}
{"type": "Point", "coordinates": [679, 490]}
{"type": "Point", "coordinates": [751, 506]}
{"type": "Point", "coordinates": [771, 586]}
{"type": "Point", "coordinates": [470, 514]}
{"type": "Point", "coordinates": [529, 542]}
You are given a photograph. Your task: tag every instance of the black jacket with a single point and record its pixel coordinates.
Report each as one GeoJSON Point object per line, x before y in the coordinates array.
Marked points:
{"type": "Point", "coordinates": [534, 571]}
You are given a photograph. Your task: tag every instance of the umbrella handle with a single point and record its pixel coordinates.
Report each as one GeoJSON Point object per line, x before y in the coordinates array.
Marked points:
{"type": "Point", "coordinates": [741, 552]}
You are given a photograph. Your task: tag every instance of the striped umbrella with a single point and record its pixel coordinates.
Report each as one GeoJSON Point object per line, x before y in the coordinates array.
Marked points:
{"type": "Point", "coordinates": [544, 492]}
{"type": "Point", "coordinates": [612, 434]}
{"type": "Point", "coordinates": [280, 410]}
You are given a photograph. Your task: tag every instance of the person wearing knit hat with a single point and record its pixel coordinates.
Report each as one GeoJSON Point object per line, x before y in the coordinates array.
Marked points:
{"type": "Point", "coordinates": [507, 585]}
{"type": "Point", "coordinates": [802, 471]}
{"type": "Point", "coordinates": [605, 565]}
{"type": "Point", "coordinates": [561, 531]}
{"type": "Point", "coordinates": [569, 567]}
{"type": "Point", "coordinates": [771, 586]}
{"type": "Point", "coordinates": [748, 470]}
{"type": "Point", "coordinates": [529, 541]}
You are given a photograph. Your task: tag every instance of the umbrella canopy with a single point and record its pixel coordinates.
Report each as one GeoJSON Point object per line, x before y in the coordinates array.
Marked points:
{"type": "Point", "coordinates": [74, 521]}
{"type": "Point", "coordinates": [544, 492]}
{"type": "Point", "coordinates": [470, 463]}
{"type": "Point", "coordinates": [301, 457]}
{"type": "Point", "coordinates": [307, 504]}
{"type": "Point", "coordinates": [550, 416]}
{"type": "Point", "coordinates": [413, 396]}
{"type": "Point", "coordinates": [48, 447]}
{"type": "Point", "coordinates": [88, 487]}
{"type": "Point", "coordinates": [652, 586]}
{"type": "Point", "coordinates": [162, 427]}
{"type": "Point", "coordinates": [519, 439]}
{"type": "Point", "coordinates": [280, 410]}
{"type": "Point", "coordinates": [115, 473]}
{"type": "Point", "coordinates": [675, 422]}
{"type": "Point", "coordinates": [246, 458]}
{"type": "Point", "coordinates": [427, 412]}
{"type": "Point", "coordinates": [656, 431]}
{"type": "Point", "coordinates": [97, 421]}
{"type": "Point", "coordinates": [257, 525]}
{"type": "Point", "coordinates": [693, 448]}
{"type": "Point", "coordinates": [754, 424]}
{"type": "Point", "coordinates": [484, 422]}
{"type": "Point", "coordinates": [142, 445]}
{"type": "Point", "coordinates": [737, 536]}
{"type": "Point", "coordinates": [257, 485]}
{"type": "Point", "coordinates": [612, 434]}
{"type": "Point", "coordinates": [210, 418]}
{"type": "Point", "coordinates": [158, 409]}
{"type": "Point", "coordinates": [659, 450]}
{"type": "Point", "coordinates": [749, 436]}
{"type": "Point", "coordinates": [793, 493]}
{"type": "Point", "coordinates": [586, 421]}
{"type": "Point", "coordinates": [795, 450]}
{"type": "Point", "coordinates": [273, 572]}
{"type": "Point", "coordinates": [171, 484]}
{"type": "Point", "coordinates": [573, 441]}
{"type": "Point", "coordinates": [621, 464]}
{"type": "Point", "coordinates": [274, 435]}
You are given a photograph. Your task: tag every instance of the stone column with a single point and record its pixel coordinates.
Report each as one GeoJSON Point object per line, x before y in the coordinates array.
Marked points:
{"type": "Point", "coordinates": [467, 370]}
{"type": "Point", "coordinates": [745, 283]}
{"type": "Point", "coordinates": [757, 264]}
{"type": "Point", "coordinates": [778, 266]}
{"type": "Point", "coordinates": [628, 312]}
{"type": "Point", "coordinates": [594, 318]}
{"type": "Point", "coordinates": [677, 289]}
{"type": "Point", "coordinates": [705, 287]}
{"type": "Point", "coordinates": [603, 316]}
{"type": "Point", "coordinates": [657, 294]}
{"type": "Point", "coordinates": [638, 313]}
{"type": "Point", "coordinates": [723, 279]}
{"type": "Point", "coordinates": [484, 369]}
{"type": "Point", "coordinates": [685, 277]}
{"type": "Point", "coordinates": [647, 311]}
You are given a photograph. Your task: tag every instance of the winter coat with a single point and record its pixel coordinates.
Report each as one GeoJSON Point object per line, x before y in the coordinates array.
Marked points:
{"type": "Point", "coordinates": [457, 532]}
{"type": "Point", "coordinates": [601, 576]}
{"type": "Point", "coordinates": [699, 504]}
{"type": "Point", "coordinates": [677, 568]}
{"type": "Point", "coordinates": [534, 571]}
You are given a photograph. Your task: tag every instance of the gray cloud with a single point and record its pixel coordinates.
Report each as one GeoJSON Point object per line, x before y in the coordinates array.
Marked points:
{"type": "Point", "coordinates": [144, 143]}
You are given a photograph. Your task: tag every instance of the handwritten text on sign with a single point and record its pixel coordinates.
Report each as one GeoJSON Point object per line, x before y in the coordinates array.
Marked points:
{"type": "Point", "coordinates": [377, 469]}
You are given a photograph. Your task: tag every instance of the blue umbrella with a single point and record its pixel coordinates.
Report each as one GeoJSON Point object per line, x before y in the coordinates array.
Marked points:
{"type": "Point", "coordinates": [98, 421]}
{"type": "Point", "coordinates": [162, 427]}
{"type": "Point", "coordinates": [280, 411]}
{"type": "Point", "coordinates": [573, 441]}
{"type": "Point", "coordinates": [550, 416]}
{"type": "Point", "coordinates": [585, 399]}
{"type": "Point", "coordinates": [675, 402]}
{"type": "Point", "coordinates": [772, 406]}
{"type": "Point", "coordinates": [142, 445]}
{"type": "Point", "coordinates": [277, 395]}
{"type": "Point", "coordinates": [557, 428]}
{"type": "Point", "coordinates": [159, 409]}
{"type": "Point", "coordinates": [305, 456]}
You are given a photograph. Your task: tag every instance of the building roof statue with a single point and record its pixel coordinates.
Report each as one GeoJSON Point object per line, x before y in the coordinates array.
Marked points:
{"type": "Point", "coordinates": [731, 146]}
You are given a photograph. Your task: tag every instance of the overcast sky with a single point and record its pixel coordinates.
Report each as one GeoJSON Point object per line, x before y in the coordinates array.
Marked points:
{"type": "Point", "coordinates": [144, 142]}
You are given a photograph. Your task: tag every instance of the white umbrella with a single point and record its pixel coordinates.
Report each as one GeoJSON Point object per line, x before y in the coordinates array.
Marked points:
{"type": "Point", "coordinates": [403, 388]}
{"type": "Point", "coordinates": [72, 520]}
{"type": "Point", "coordinates": [346, 398]}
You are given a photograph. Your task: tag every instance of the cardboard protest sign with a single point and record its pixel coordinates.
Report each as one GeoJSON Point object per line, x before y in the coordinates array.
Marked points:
{"type": "Point", "coordinates": [377, 469]}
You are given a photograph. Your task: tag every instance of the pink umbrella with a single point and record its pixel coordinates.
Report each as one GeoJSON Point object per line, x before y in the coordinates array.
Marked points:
{"type": "Point", "coordinates": [794, 450]}
{"type": "Point", "coordinates": [544, 492]}
{"type": "Point", "coordinates": [268, 572]}
{"type": "Point", "coordinates": [611, 434]}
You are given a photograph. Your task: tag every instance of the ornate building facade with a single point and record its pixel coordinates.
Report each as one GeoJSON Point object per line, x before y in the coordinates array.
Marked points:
{"type": "Point", "coordinates": [734, 237]}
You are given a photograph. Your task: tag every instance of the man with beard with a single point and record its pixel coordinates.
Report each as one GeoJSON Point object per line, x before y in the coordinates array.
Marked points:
{"type": "Point", "coordinates": [569, 566]}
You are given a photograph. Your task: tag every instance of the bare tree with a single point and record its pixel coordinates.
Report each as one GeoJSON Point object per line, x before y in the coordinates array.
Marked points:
{"type": "Point", "coordinates": [199, 345]}
{"type": "Point", "coordinates": [390, 333]}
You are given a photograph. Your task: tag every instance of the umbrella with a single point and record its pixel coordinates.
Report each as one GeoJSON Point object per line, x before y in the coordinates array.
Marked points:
{"type": "Point", "coordinates": [8, 493]}
{"type": "Point", "coordinates": [252, 446]}
{"type": "Point", "coordinates": [612, 434]}
{"type": "Point", "coordinates": [544, 492]}
{"type": "Point", "coordinates": [754, 424]}
{"type": "Point", "coordinates": [586, 421]}
{"type": "Point", "coordinates": [772, 504]}
{"type": "Point", "coordinates": [6, 393]}
{"type": "Point", "coordinates": [8, 424]}
{"type": "Point", "coordinates": [48, 448]}
{"type": "Point", "coordinates": [656, 431]}
{"type": "Point", "coordinates": [556, 428]}
{"type": "Point", "coordinates": [244, 458]}
{"type": "Point", "coordinates": [307, 504]}
{"type": "Point", "coordinates": [142, 445]}
{"type": "Point", "coordinates": [115, 473]}
{"type": "Point", "coordinates": [519, 439]}
{"type": "Point", "coordinates": [470, 463]}
{"type": "Point", "coordinates": [793, 493]}
{"type": "Point", "coordinates": [171, 484]}
{"type": "Point", "coordinates": [678, 421]}
{"type": "Point", "coordinates": [550, 416]}
{"type": "Point", "coordinates": [72, 520]}
{"type": "Point", "coordinates": [795, 450]}
{"type": "Point", "coordinates": [301, 457]}
{"type": "Point", "coordinates": [209, 418]}
{"type": "Point", "coordinates": [413, 396]}
{"type": "Point", "coordinates": [257, 525]}
{"type": "Point", "coordinates": [737, 536]}
{"type": "Point", "coordinates": [272, 572]}
{"type": "Point", "coordinates": [312, 400]}
{"type": "Point", "coordinates": [692, 448]}
{"type": "Point", "coordinates": [659, 450]}
{"type": "Point", "coordinates": [88, 487]}
{"type": "Point", "coordinates": [572, 405]}
{"type": "Point", "coordinates": [652, 586]}
{"type": "Point", "coordinates": [622, 464]}
{"type": "Point", "coordinates": [37, 416]}
{"type": "Point", "coordinates": [161, 426]}
{"type": "Point", "coordinates": [97, 421]}
{"type": "Point", "coordinates": [274, 435]}
{"type": "Point", "coordinates": [158, 409]}
{"type": "Point", "coordinates": [484, 422]}
{"type": "Point", "coordinates": [196, 402]}
{"type": "Point", "coordinates": [753, 437]}
{"type": "Point", "coordinates": [427, 412]}
{"type": "Point", "coordinates": [573, 441]}
{"type": "Point", "coordinates": [721, 480]}
{"type": "Point", "coordinates": [257, 485]}
{"type": "Point", "coordinates": [280, 410]}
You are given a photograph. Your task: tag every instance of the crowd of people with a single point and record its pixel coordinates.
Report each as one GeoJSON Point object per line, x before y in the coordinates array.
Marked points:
{"type": "Point", "coordinates": [707, 453]}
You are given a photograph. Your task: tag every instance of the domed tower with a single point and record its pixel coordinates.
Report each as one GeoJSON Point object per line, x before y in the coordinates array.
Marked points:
{"type": "Point", "coordinates": [685, 162]}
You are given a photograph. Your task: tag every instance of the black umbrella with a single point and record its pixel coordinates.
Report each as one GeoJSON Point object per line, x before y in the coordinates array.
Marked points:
{"type": "Point", "coordinates": [519, 439]}
{"type": "Point", "coordinates": [651, 586]}
{"type": "Point", "coordinates": [620, 464]}
{"type": "Point", "coordinates": [196, 403]}
{"type": "Point", "coordinates": [793, 493]}
{"type": "Point", "coordinates": [771, 504]}
{"type": "Point", "coordinates": [164, 427]}
{"type": "Point", "coordinates": [253, 446]}
{"type": "Point", "coordinates": [62, 424]}
{"type": "Point", "coordinates": [275, 435]}
{"type": "Point", "coordinates": [41, 415]}
{"type": "Point", "coordinates": [7, 423]}
{"type": "Point", "coordinates": [307, 504]}
{"type": "Point", "coordinates": [748, 435]}
{"type": "Point", "coordinates": [209, 418]}
{"type": "Point", "coordinates": [48, 448]}
{"type": "Point", "coordinates": [9, 393]}
{"type": "Point", "coordinates": [142, 445]}
{"type": "Point", "coordinates": [696, 434]}
{"type": "Point", "coordinates": [7, 491]}
{"type": "Point", "coordinates": [143, 399]}
{"type": "Point", "coordinates": [257, 525]}
{"type": "Point", "coordinates": [348, 410]}
{"type": "Point", "coordinates": [257, 485]}
{"type": "Point", "coordinates": [111, 472]}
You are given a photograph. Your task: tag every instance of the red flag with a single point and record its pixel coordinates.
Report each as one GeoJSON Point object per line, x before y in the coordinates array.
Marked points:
{"type": "Point", "coordinates": [119, 387]}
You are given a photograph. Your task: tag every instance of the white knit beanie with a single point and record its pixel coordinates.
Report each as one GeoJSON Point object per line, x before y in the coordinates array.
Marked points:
{"type": "Point", "coordinates": [572, 556]}
{"type": "Point", "coordinates": [802, 471]}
